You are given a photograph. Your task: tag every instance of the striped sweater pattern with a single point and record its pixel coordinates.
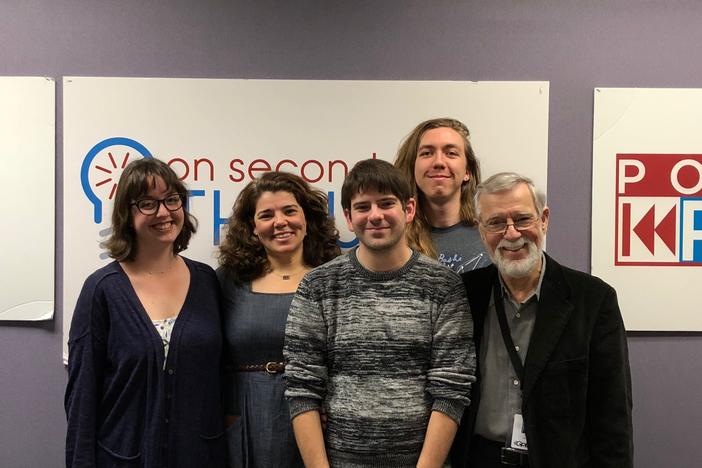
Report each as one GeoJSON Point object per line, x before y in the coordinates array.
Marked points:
{"type": "Point", "coordinates": [379, 352]}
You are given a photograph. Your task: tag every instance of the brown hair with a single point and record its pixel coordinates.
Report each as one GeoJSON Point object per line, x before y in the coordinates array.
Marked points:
{"type": "Point", "coordinates": [136, 180]}
{"type": "Point", "coordinates": [241, 251]}
{"type": "Point", "coordinates": [375, 174]}
{"type": "Point", "coordinates": [419, 231]}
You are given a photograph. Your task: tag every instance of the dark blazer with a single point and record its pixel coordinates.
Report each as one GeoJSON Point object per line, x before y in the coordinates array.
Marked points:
{"type": "Point", "coordinates": [576, 393]}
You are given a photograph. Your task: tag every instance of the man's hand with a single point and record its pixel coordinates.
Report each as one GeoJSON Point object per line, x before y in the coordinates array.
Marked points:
{"type": "Point", "coordinates": [310, 440]}
{"type": "Point", "coordinates": [440, 433]}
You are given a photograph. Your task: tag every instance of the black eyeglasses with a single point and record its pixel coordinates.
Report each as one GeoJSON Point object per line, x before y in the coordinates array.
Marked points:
{"type": "Point", "coordinates": [500, 226]}
{"type": "Point", "coordinates": [149, 206]}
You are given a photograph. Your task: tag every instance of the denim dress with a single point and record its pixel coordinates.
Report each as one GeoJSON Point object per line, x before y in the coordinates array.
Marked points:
{"type": "Point", "coordinates": [254, 332]}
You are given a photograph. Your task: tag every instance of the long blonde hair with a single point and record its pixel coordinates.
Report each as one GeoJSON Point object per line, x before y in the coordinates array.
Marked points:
{"type": "Point", "coordinates": [419, 231]}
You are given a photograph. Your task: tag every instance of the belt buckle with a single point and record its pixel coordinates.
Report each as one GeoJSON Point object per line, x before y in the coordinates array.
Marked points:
{"type": "Point", "coordinates": [511, 457]}
{"type": "Point", "coordinates": [269, 367]}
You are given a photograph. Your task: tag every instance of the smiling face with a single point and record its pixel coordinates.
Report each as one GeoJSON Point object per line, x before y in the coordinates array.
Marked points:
{"type": "Point", "coordinates": [441, 167]}
{"type": "Point", "coordinates": [279, 222]}
{"type": "Point", "coordinates": [517, 254]}
{"type": "Point", "coordinates": [161, 227]}
{"type": "Point", "coordinates": [378, 220]}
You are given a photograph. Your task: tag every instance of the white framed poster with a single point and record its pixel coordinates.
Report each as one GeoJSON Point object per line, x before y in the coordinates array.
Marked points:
{"type": "Point", "coordinates": [218, 134]}
{"type": "Point", "coordinates": [647, 204]}
{"type": "Point", "coordinates": [27, 162]}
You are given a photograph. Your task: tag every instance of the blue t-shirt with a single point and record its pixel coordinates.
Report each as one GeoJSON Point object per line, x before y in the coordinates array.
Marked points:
{"type": "Point", "coordinates": [460, 248]}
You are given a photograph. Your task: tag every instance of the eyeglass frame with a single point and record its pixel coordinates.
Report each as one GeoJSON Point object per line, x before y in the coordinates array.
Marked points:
{"type": "Point", "coordinates": [159, 202]}
{"type": "Point", "coordinates": [532, 221]}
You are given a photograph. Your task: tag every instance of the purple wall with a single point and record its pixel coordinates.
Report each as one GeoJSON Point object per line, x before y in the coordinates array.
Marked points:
{"type": "Point", "coordinates": [574, 45]}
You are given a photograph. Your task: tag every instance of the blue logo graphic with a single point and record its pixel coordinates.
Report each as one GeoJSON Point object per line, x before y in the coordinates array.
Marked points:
{"type": "Point", "coordinates": [88, 166]}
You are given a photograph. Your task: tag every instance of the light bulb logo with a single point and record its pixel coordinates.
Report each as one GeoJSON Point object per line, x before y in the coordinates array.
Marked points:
{"type": "Point", "coordinates": [101, 168]}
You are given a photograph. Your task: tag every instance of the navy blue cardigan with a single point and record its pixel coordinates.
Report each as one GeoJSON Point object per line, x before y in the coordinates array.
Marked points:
{"type": "Point", "coordinates": [123, 408]}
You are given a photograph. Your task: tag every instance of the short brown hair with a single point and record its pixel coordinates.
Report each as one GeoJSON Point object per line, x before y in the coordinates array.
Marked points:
{"type": "Point", "coordinates": [241, 251]}
{"type": "Point", "coordinates": [136, 180]}
{"type": "Point", "coordinates": [375, 174]}
{"type": "Point", "coordinates": [419, 231]}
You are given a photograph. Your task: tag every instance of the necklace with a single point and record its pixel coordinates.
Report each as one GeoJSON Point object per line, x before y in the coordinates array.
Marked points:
{"type": "Point", "coordinates": [162, 272]}
{"type": "Point", "coordinates": [287, 276]}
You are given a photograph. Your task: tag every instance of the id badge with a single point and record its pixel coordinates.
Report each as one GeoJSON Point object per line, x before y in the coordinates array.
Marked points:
{"type": "Point", "coordinates": [519, 440]}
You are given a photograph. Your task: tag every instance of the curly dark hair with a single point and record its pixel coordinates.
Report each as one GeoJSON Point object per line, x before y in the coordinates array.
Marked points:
{"type": "Point", "coordinates": [243, 255]}
{"type": "Point", "coordinates": [136, 180]}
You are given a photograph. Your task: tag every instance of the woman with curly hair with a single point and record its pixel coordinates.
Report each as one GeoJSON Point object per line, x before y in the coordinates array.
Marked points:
{"type": "Point", "coordinates": [279, 230]}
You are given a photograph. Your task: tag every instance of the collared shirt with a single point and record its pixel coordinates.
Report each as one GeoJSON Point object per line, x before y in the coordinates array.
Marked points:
{"type": "Point", "coordinates": [500, 387]}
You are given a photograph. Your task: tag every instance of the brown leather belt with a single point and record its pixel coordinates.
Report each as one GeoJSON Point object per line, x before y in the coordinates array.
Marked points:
{"type": "Point", "coordinates": [270, 367]}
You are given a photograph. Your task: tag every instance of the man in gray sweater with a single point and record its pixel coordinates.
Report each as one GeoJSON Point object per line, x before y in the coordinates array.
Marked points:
{"type": "Point", "coordinates": [380, 338]}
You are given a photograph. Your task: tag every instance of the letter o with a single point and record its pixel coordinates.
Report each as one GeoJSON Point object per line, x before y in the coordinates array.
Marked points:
{"type": "Point", "coordinates": [319, 165]}
{"type": "Point", "coordinates": [674, 176]}
{"type": "Point", "coordinates": [185, 165]}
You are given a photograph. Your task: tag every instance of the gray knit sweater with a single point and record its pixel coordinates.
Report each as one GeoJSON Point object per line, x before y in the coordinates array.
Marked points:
{"type": "Point", "coordinates": [379, 351]}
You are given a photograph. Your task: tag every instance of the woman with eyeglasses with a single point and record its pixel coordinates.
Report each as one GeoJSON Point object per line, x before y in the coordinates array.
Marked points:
{"type": "Point", "coordinates": [279, 229]}
{"type": "Point", "coordinates": [145, 341]}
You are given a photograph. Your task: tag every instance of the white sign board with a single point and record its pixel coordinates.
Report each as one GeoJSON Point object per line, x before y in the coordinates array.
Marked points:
{"type": "Point", "coordinates": [647, 204]}
{"type": "Point", "coordinates": [27, 154]}
{"type": "Point", "coordinates": [218, 134]}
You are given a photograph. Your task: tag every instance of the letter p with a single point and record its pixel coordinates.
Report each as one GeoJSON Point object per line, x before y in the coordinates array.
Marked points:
{"type": "Point", "coordinates": [627, 175]}
{"type": "Point", "coordinates": [691, 230]}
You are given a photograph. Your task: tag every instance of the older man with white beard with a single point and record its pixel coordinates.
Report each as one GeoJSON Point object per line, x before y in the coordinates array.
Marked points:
{"type": "Point", "coordinates": [554, 382]}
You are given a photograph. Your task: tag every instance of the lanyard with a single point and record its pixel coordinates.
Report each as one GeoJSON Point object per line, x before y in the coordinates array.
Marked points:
{"type": "Point", "coordinates": [506, 335]}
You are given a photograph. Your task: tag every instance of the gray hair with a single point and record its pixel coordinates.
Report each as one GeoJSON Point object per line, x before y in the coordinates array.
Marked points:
{"type": "Point", "coordinates": [503, 181]}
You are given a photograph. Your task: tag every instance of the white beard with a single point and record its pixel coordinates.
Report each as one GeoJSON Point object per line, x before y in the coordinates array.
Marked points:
{"type": "Point", "coordinates": [517, 268]}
